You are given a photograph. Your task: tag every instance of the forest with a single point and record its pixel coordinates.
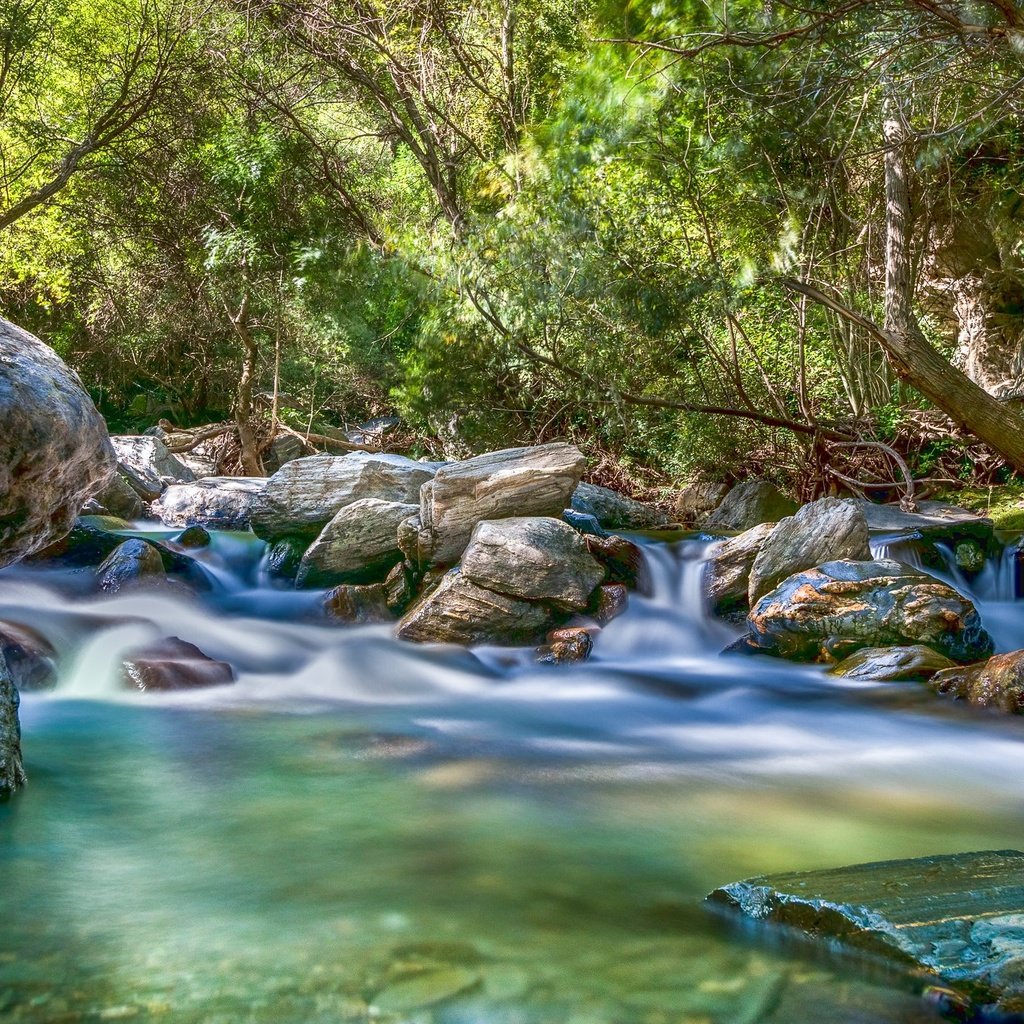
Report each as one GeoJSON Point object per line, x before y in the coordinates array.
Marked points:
{"type": "Point", "coordinates": [692, 238]}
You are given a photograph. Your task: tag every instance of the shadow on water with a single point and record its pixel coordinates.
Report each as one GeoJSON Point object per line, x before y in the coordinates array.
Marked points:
{"type": "Point", "coordinates": [362, 829]}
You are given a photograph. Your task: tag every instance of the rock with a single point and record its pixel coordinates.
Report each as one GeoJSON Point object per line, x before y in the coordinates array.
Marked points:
{"type": "Point", "coordinates": [116, 499]}
{"type": "Point", "coordinates": [358, 604]}
{"type": "Point", "coordinates": [749, 504]}
{"type": "Point", "coordinates": [174, 664]}
{"type": "Point", "coordinates": [305, 494]}
{"type": "Point", "coordinates": [536, 558]}
{"type": "Point", "coordinates": [223, 502]}
{"type": "Point", "coordinates": [461, 612]}
{"type": "Point", "coordinates": [12, 771]}
{"type": "Point", "coordinates": [54, 451]}
{"type": "Point", "coordinates": [996, 683]}
{"type": "Point", "coordinates": [283, 558]}
{"type": "Point", "coordinates": [826, 530]}
{"type": "Point", "coordinates": [193, 537]}
{"type": "Point", "coordinates": [609, 602]}
{"type": "Point", "coordinates": [958, 918]}
{"type": "Point", "coordinates": [30, 657]}
{"type": "Point", "coordinates": [726, 573]}
{"type": "Point", "coordinates": [932, 516]}
{"type": "Point", "coordinates": [839, 607]}
{"type": "Point", "coordinates": [623, 562]}
{"type": "Point", "coordinates": [131, 562]}
{"type": "Point", "coordinates": [422, 989]}
{"type": "Point", "coordinates": [583, 523]}
{"type": "Point", "coordinates": [91, 540]}
{"type": "Point", "coordinates": [283, 449]}
{"type": "Point", "coordinates": [359, 545]}
{"type": "Point", "coordinates": [893, 664]}
{"type": "Point", "coordinates": [516, 482]}
{"type": "Point", "coordinates": [969, 556]}
{"type": "Point", "coordinates": [615, 511]}
{"type": "Point", "coordinates": [148, 466]}
{"type": "Point", "coordinates": [400, 588]}
{"type": "Point", "coordinates": [566, 646]}
{"type": "Point", "coordinates": [697, 500]}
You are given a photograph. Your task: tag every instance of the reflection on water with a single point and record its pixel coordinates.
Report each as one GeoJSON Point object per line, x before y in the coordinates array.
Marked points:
{"type": "Point", "coordinates": [360, 829]}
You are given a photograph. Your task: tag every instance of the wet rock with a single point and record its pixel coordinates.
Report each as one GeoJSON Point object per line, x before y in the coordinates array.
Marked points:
{"type": "Point", "coordinates": [969, 556]}
{"type": "Point", "coordinates": [958, 918]}
{"type": "Point", "coordinates": [995, 683]}
{"type": "Point", "coordinates": [623, 562]}
{"type": "Point", "coordinates": [222, 502]}
{"type": "Point", "coordinates": [92, 538]}
{"type": "Point", "coordinates": [609, 602]}
{"type": "Point", "coordinates": [932, 517]}
{"type": "Point", "coordinates": [116, 499]}
{"type": "Point", "coordinates": [305, 494]}
{"type": "Point", "coordinates": [726, 573]}
{"type": "Point", "coordinates": [913, 663]}
{"type": "Point", "coordinates": [536, 558]}
{"type": "Point", "coordinates": [132, 562]}
{"type": "Point", "coordinates": [566, 646]}
{"type": "Point", "coordinates": [424, 988]}
{"type": "Point", "coordinates": [359, 545]}
{"type": "Point", "coordinates": [823, 531]}
{"type": "Point", "coordinates": [839, 607]}
{"type": "Point", "coordinates": [358, 604]}
{"type": "Point", "coordinates": [54, 451]}
{"type": "Point", "coordinates": [614, 511]}
{"type": "Point", "coordinates": [284, 557]}
{"type": "Point", "coordinates": [148, 466]}
{"type": "Point", "coordinates": [12, 771]}
{"type": "Point", "coordinates": [400, 587]}
{"type": "Point", "coordinates": [174, 664]}
{"type": "Point", "coordinates": [516, 482]}
{"type": "Point", "coordinates": [193, 537]}
{"type": "Point", "coordinates": [461, 612]}
{"type": "Point", "coordinates": [30, 657]}
{"type": "Point", "coordinates": [749, 504]}
{"type": "Point", "coordinates": [697, 500]}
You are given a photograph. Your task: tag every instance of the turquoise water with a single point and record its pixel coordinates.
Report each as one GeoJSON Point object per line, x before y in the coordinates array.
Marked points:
{"type": "Point", "coordinates": [360, 830]}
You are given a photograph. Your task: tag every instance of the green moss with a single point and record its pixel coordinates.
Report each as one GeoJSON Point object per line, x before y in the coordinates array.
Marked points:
{"type": "Point", "coordinates": [1003, 504]}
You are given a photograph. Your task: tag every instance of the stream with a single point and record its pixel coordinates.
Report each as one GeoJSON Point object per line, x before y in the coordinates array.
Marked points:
{"type": "Point", "coordinates": [361, 829]}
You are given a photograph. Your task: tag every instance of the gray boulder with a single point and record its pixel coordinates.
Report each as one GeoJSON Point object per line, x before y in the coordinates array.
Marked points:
{"type": "Point", "coordinates": [12, 772]}
{"type": "Point", "coordinates": [54, 450]}
{"type": "Point", "coordinates": [516, 482]}
{"type": "Point", "coordinates": [305, 494]}
{"type": "Point", "coordinates": [697, 500]}
{"type": "Point", "coordinates": [461, 612]}
{"type": "Point", "coordinates": [726, 572]}
{"type": "Point", "coordinates": [359, 545]}
{"type": "Point", "coordinates": [118, 499]}
{"type": "Point", "coordinates": [749, 504]}
{"type": "Point", "coordinates": [224, 502]}
{"type": "Point", "coordinates": [824, 531]}
{"type": "Point", "coordinates": [615, 511]}
{"type": "Point", "coordinates": [893, 664]}
{"type": "Point", "coordinates": [131, 562]}
{"type": "Point", "coordinates": [148, 466]}
{"type": "Point", "coordinates": [837, 608]}
{"type": "Point", "coordinates": [536, 558]}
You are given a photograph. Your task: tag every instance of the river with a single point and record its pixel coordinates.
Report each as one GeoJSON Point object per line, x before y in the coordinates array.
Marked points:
{"type": "Point", "coordinates": [364, 830]}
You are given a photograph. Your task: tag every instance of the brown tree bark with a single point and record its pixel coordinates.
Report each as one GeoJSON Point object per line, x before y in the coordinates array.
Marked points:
{"type": "Point", "coordinates": [251, 462]}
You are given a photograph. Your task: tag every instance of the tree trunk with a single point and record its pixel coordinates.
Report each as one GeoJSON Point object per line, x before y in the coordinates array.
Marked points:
{"type": "Point", "coordinates": [1000, 426]}
{"type": "Point", "coordinates": [251, 462]}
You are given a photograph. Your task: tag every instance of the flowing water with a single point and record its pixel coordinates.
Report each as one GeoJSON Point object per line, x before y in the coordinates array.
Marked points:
{"type": "Point", "coordinates": [360, 829]}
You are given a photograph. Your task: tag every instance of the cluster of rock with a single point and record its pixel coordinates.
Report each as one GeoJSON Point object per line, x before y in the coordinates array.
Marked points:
{"type": "Point", "coordinates": [807, 588]}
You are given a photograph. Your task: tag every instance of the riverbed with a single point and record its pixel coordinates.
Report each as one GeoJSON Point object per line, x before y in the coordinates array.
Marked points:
{"type": "Point", "coordinates": [361, 829]}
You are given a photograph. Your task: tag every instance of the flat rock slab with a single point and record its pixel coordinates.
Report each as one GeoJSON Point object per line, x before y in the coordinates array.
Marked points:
{"type": "Point", "coordinates": [958, 918]}
{"type": "Point", "coordinates": [930, 515]}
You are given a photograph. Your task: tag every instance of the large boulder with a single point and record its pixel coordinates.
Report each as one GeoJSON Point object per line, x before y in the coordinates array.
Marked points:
{"type": "Point", "coordinates": [516, 482]}
{"type": "Point", "coordinates": [839, 607]}
{"type": "Point", "coordinates": [224, 502]}
{"type": "Point", "coordinates": [749, 504]}
{"type": "Point", "coordinates": [12, 772]}
{"type": "Point", "coordinates": [54, 450]}
{"type": "Point", "coordinates": [305, 494]}
{"type": "Point", "coordinates": [997, 682]}
{"type": "Point", "coordinates": [148, 465]}
{"type": "Point", "coordinates": [826, 530]}
{"type": "Point", "coordinates": [615, 511]}
{"type": "Point", "coordinates": [359, 545]}
{"type": "Point", "coordinates": [726, 573]}
{"type": "Point", "coordinates": [536, 558]}
{"type": "Point", "coordinates": [460, 611]}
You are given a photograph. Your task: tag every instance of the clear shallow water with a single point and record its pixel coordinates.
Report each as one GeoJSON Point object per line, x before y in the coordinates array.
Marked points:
{"type": "Point", "coordinates": [365, 830]}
